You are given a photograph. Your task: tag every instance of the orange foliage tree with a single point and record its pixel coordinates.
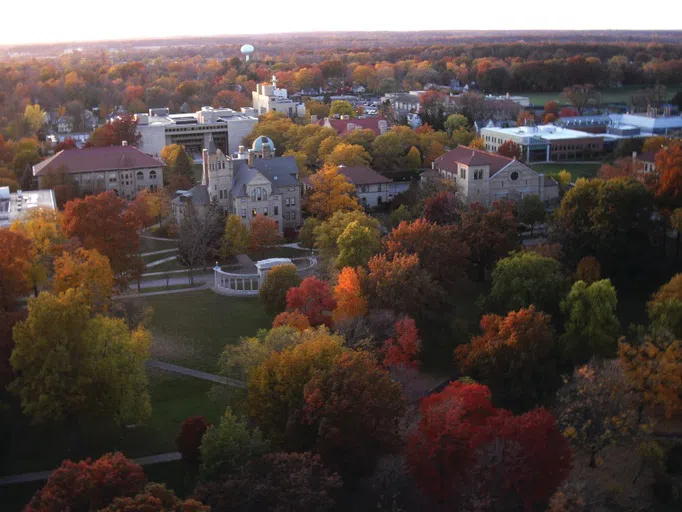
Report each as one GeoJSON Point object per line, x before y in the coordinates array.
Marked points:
{"type": "Point", "coordinates": [16, 257]}
{"type": "Point", "coordinates": [348, 295]}
{"type": "Point", "coordinates": [331, 193]}
{"type": "Point", "coordinates": [669, 170]}
{"type": "Point", "coordinates": [263, 234]}
{"type": "Point", "coordinates": [403, 348]}
{"type": "Point", "coordinates": [514, 356]}
{"type": "Point", "coordinates": [589, 270]}
{"type": "Point", "coordinates": [293, 319]}
{"type": "Point", "coordinates": [654, 368]}
{"type": "Point", "coordinates": [313, 299]}
{"type": "Point", "coordinates": [105, 223]}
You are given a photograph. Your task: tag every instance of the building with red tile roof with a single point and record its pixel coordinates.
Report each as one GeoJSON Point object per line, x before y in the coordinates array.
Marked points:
{"type": "Point", "coordinates": [486, 177]}
{"type": "Point", "coordinates": [123, 169]}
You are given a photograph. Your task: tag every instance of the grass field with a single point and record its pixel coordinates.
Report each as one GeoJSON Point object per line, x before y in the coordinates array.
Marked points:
{"type": "Point", "coordinates": [35, 448]}
{"type": "Point", "coordinates": [577, 170]}
{"type": "Point", "coordinates": [148, 245]}
{"type": "Point", "coordinates": [191, 329]}
{"type": "Point", "coordinates": [621, 95]}
{"type": "Point", "coordinates": [279, 252]}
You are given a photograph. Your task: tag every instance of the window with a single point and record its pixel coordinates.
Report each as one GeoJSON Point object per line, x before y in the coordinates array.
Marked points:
{"type": "Point", "coordinates": [514, 176]}
{"type": "Point", "coordinates": [243, 213]}
{"type": "Point", "coordinates": [275, 210]}
{"type": "Point", "coordinates": [152, 175]}
{"type": "Point", "coordinates": [286, 202]}
{"type": "Point", "coordinates": [265, 211]}
{"type": "Point", "coordinates": [259, 195]}
{"type": "Point", "coordinates": [463, 173]}
{"type": "Point", "coordinates": [287, 215]}
{"type": "Point", "coordinates": [253, 195]}
{"type": "Point", "coordinates": [140, 175]}
{"type": "Point", "coordinates": [293, 201]}
{"type": "Point", "coordinates": [221, 194]}
{"type": "Point", "coordinates": [293, 215]}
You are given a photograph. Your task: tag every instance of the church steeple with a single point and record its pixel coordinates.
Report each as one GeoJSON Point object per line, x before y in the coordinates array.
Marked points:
{"type": "Point", "coordinates": [211, 145]}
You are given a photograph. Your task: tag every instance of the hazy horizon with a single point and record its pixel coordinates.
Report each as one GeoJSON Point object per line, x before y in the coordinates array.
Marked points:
{"type": "Point", "coordinates": [74, 25]}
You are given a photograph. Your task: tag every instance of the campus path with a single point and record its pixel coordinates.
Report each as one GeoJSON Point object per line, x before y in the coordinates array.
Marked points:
{"type": "Point", "coordinates": [156, 263]}
{"type": "Point", "coordinates": [219, 379]}
{"type": "Point", "coordinates": [154, 253]}
{"type": "Point", "coordinates": [44, 475]}
{"type": "Point", "coordinates": [162, 292]}
{"type": "Point", "coordinates": [159, 238]}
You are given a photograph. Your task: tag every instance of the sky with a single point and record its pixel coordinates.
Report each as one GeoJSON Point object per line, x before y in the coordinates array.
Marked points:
{"type": "Point", "coordinates": [43, 21]}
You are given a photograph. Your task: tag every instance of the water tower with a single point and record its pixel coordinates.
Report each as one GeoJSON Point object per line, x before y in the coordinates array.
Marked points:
{"type": "Point", "coordinates": [247, 50]}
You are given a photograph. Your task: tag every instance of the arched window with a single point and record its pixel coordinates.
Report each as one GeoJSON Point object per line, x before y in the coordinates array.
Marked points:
{"type": "Point", "coordinates": [253, 195]}
{"type": "Point", "coordinates": [152, 175]}
{"type": "Point", "coordinates": [259, 192]}
{"type": "Point", "coordinates": [140, 175]}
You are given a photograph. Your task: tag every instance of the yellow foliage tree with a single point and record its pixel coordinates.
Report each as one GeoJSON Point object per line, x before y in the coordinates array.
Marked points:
{"type": "Point", "coordinates": [350, 155]}
{"type": "Point", "coordinates": [478, 143]}
{"type": "Point", "coordinates": [331, 193]}
{"type": "Point", "coordinates": [88, 271]}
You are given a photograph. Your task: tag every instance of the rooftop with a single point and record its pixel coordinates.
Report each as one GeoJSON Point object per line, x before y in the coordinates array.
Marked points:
{"type": "Point", "coordinates": [14, 205]}
{"type": "Point", "coordinates": [272, 262]}
{"type": "Point", "coordinates": [362, 175]}
{"type": "Point", "coordinates": [341, 125]}
{"type": "Point", "coordinates": [546, 132]}
{"type": "Point", "coordinates": [468, 156]}
{"type": "Point", "coordinates": [97, 159]}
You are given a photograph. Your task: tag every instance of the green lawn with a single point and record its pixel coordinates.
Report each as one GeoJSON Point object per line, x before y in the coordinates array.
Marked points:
{"type": "Point", "coordinates": [163, 267]}
{"type": "Point", "coordinates": [623, 94]}
{"type": "Point", "coordinates": [279, 252]}
{"type": "Point", "coordinates": [577, 170]}
{"type": "Point", "coordinates": [191, 329]}
{"type": "Point", "coordinates": [147, 245]}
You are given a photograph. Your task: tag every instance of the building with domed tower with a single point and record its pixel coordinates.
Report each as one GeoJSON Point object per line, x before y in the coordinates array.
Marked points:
{"type": "Point", "coordinates": [255, 182]}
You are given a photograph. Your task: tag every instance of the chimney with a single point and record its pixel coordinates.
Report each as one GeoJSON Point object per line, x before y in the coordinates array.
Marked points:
{"type": "Point", "coordinates": [204, 164]}
{"type": "Point", "coordinates": [251, 157]}
{"type": "Point", "coordinates": [124, 143]}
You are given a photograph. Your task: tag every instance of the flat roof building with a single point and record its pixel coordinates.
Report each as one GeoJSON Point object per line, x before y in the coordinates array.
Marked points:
{"type": "Point", "coordinates": [269, 98]}
{"type": "Point", "coordinates": [228, 127]}
{"type": "Point", "coordinates": [14, 205]}
{"type": "Point", "coordinates": [545, 143]}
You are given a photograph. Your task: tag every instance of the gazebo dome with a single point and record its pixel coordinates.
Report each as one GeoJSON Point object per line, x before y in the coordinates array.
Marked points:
{"type": "Point", "coordinates": [260, 141]}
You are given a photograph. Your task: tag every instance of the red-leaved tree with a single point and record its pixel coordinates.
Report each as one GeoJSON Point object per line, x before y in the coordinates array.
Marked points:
{"type": "Point", "coordinates": [510, 149]}
{"type": "Point", "coordinates": [313, 298]}
{"type": "Point", "coordinates": [404, 347]}
{"type": "Point", "coordinates": [189, 439]}
{"type": "Point", "coordinates": [88, 485]}
{"type": "Point", "coordinates": [468, 455]}
{"type": "Point", "coordinates": [443, 209]}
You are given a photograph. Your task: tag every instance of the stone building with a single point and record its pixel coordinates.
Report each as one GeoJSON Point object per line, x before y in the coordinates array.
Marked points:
{"type": "Point", "coordinates": [124, 169]}
{"type": "Point", "coordinates": [254, 183]}
{"type": "Point", "coordinates": [484, 177]}
{"type": "Point", "coordinates": [269, 98]}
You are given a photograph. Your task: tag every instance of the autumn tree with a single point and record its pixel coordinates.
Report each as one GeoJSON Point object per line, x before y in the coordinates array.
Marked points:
{"type": "Point", "coordinates": [443, 208]}
{"type": "Point", "coordinates": [531, 211]}
{"type": "Point", "coordinates": [357, 244]}
{"type": "Point", "coordinates": [188, 440]}
{"type": "Point", "coordinates": [403, 348]}
{"type": "Point", "coordinates": [341, 108]}
{"type": "Point", "coordinates": [349, 155]}
{"type": "Point", "coordinates": [87, 271]}
{"type": "Point", "coordinates": [510, 149]}
{"type": "Point", "coordinates": [597, 407]}
{"type": "Point", "coordinates": [581, 95]}
{"type": "Point", "coordinates": [350, 435]}
{"type": "Point", "coordinates": [158, 498]}
{"type": "Point", "coordinates": [348, 295]}
{"type": "Point", "coordinates": [524, 118]}
{"type": "Point", "coordinates": [276, 481]}
{"type": "Point", "coordinates": [465, 452]}
{"type": "Point", "coordinates": [387, 152]}
{"type": "Point", "coordinates": [16, 257]}
{"type": "Point", "coordinates": [440, 248]}
{"type": "Point", "coordinates": [292, 319]}
{"type": "Point", "coordinates": [402, 285]}
{"type": "Point", "coordinates": [331, 193]}
{"type": "Point", "coordinates": [514, 356]}
{"type": "Point", "coordinates": [328, 233]}
{"type": "Point", "coordinates": [363, 138]}
{"type": "Point", "coordinates": [88, 484]}
{"type": "Point", "coordinates": [312, 298]}
{"type": "Point", "coordinates": [277, 282]}
{"type": "Point", "coordinates": [413, 160]}
{"type": "Point", "coordinates": [103, 222]}
{"type": "Point", "coordinates": [275, 387]}
{"type": "Point", "coordinates": [490, 234]}
{"type": "Point", "coordinates": [610, 220]}
{"type": "Point", "coordinates": [228, 446]}
{"type": "Point", "coordinates": [156, 203]}
{"type": "Point", "coordinates": [591, 327]}
{"type": "Point", "coordinates": [669, 175]}
{"type": "Point", "coordinates": [71, 364]}
{"type": "Point", "coordinates": [235, 237]}
{"type": "Point", "coordinates": [525, 279]}
{"type": "Point", "coordinates": [178, 162]}
{"type": "Point", "coordinates": [665, 306]}
{"type": "Point", "coordinates": [588, 270]}
{"type": "Point", "coordinates": [455, 122]}
{"type": "Point", "coordinates": [115, 132]}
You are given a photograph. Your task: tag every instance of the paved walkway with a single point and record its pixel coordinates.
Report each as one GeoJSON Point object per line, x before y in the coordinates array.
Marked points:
{"type": "Point", "coordinates": [44, 475]}
{"type": "Point", "coordinates": [149, 237]}
{"type": "Point", "coordinates": [161, 292]}
{"type": "Point", "coordinates": [162, 251]}
{"type": "Point", "coordinates": [158, 262]}
{"type": "Point", "coordinates": [219, 379]}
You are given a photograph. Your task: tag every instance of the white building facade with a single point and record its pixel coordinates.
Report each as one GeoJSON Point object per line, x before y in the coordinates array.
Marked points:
{"type": "Point", "coordinates": [269, 98]}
